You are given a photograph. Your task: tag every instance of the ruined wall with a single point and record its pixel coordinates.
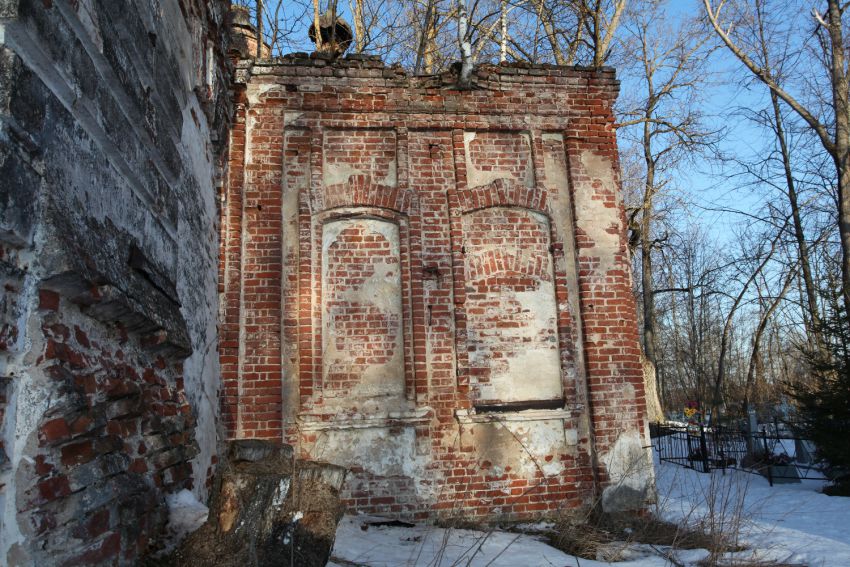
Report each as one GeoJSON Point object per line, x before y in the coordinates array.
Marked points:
{"type": "Point", "coordinates": [431, 286]}
{"type": "Point", "coordinates": [112, 118]}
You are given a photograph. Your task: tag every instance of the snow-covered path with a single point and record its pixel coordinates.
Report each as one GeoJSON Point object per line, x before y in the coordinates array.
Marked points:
{"type": "Point", "coordinates": [792, 523]}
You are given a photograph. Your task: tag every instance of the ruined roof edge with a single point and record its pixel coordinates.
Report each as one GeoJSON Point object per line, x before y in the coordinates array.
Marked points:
{"type": "Point", "coordinates": [375, 62]}
{"type": "Point", "coordinates": [362, 65]}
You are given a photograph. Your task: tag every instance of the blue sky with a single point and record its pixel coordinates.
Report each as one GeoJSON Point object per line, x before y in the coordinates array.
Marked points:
{"type": "Point", "coordinates": [733, 90]}
{"type": "Point", "coordinates": [703, 182]}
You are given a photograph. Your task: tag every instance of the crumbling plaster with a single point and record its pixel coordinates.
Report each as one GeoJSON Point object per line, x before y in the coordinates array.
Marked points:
{"type": "Point", "coordinates": [598, 212]}
{"type": "Point", "coordinates": [524, 341]}
{"type": "Point", "coordinates": [631, 474]}
{"type": "Point", "coordinates": [378, 300]}
{"type": "Point", "coordinates": [457, 157]}
{"type": "Point", "coordinates": [113, 118]}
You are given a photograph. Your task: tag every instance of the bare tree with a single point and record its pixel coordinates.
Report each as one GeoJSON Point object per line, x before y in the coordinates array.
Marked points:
{"type": "Point", "coordinates": [765, 314]}
{"type": "Point", "coordinates": [601, 18]}
{"type": "Point", "coordinates": [832, 127]}
{"type": "Point", "coordinates": [694, 272]}
{"type": "Point", "coordinates": [761, 259]}
{"type": "Point", "coordinates": [788, 162]}
{"type": "Point", "coordinates": [380, 27]}
{"type": "Point", "coordinates": [576, 31]}
{"type": "Point", "coordinates": [665, 123]}
{"type": "Point", "coordinates": [554, 17]}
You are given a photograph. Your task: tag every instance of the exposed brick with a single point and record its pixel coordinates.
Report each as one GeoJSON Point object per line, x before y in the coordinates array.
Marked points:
{"type": "Point", "coordinates": [55, 430]}
{"type": "Point", "coordinates": [42, 467]}
{"type": "Point", "coordinates": [48, 300]}
{"type": "Point", "coordinates": [81, 337]}
{"type": "Point", "coordinates": [504, 279]}
{"type": "Point", "coordinates": [53, 488]}
{"type": "Point", "coordinates": [111, 205]}
{"type": "Point", "coordinates": [78, 453]}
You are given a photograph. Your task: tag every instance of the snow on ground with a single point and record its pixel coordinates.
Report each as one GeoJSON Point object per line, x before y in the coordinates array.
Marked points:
{"type": "Point", "coordinates": [185, 515]}
{"type": "Point", "coordinates": [791, 523]}
{"type": "Point", "coordinates": [420, 546]}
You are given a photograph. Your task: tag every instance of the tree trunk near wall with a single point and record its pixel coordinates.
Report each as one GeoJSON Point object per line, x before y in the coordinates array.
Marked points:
{"type": "Point", "coordinates": [267, 510]}
{"type": "Point", "coordinates": [654, 410]}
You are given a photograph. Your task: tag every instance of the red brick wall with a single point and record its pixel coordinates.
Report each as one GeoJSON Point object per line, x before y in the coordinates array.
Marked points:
{"type": "Point", "coordinates": [360, 333]}
{"type": "Point", "coordinates": [371, 152]}
{"type": "Point", "coordinates": [230, 272]}
{"type": "Point", "coordinates": [118, 435]}
{"type": "Point", "coordinates": [108, 305]}
{"type": "Point", "coordinates": [505, 153]}
{"type": "Point", "coordinates": [506, 189]}
{"type": "Point", "coordinates": [510, 307]}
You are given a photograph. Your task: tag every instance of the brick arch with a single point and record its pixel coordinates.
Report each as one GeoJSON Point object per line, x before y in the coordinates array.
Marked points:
{"type": "Point", "coordinates": [504, 193]}
{"type": "Point", "coordinates": [312, 374]}
{"type": "Point", "coordinates": [508, 315]}
{"type": "Point", "coordinates": [361, 191]}
{"type": "Point", "coordinates": [507, 264]}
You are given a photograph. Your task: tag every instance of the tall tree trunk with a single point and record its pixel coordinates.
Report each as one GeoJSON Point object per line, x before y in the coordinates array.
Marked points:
{"type": "Point", "coordinates": [317, 16]}
{"type": "Point", "coordinates": [649, 344]}
{"type": "Point", "coordinates": [598, 55]}
{"type": "Point", "coordinates": [841, 155]}
{"type": "Point", "coordinates": [463, 40]}
{"type": "Point", "coordinates": [431, 48]}
{"type": "Point", "coordinates": [654, 410]}
{"type": "Point", "coordinates": [425, 51]}
{"type": "Point", "coordinates": [359, 28]}
{"type": "Point", "coordinates": [799, 234]}
{"type": "Point", "coordinates": [260, 41]}
{"type": "Point", "coordinates": [844, 224]}
{"type": "Point", "coordinates": [813, 321]}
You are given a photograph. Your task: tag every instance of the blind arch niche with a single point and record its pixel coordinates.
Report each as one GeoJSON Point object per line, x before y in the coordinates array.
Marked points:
{"type": "Point", "coordinates": [362, 315]}
{"type": "Point", "coordinates": [512, 316]}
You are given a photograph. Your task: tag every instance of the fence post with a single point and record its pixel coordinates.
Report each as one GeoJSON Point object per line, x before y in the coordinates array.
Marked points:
{"type": "Point", "coordinates": [703, 448]}
{"type": "Point", "coordinates": [752, 428]}
{"type": "Point", "coordinates": [767, 457]}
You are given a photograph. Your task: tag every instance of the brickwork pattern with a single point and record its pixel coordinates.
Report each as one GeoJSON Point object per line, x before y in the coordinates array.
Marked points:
{"type": "Point", "coordinates": [370, 153]}
{"type": "Point", "coordinates": [510, 307]}
{"type": "Point", "coordinates": [528, 163]}
{"type": "Point", "coordinates": [503, 154]}
{"type": "Point", "coordinates": [361, 334]}
{"type": "Point", "coordinates": [114, 120]}
{"type": "Point", "coordinates": [121, 434]}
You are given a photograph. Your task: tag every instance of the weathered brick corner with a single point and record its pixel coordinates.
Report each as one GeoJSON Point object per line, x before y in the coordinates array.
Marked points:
{"type": "Point", "coordinates": [113, 121]}
{"type": "Point", "coordinates": [432, 287]}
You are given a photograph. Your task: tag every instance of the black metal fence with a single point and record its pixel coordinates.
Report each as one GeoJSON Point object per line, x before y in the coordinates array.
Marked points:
{"type": "Point", "coordinates": [779, 457]}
